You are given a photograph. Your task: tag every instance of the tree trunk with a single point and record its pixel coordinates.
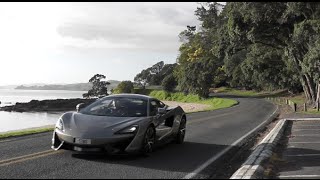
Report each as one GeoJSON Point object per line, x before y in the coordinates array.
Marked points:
{"type": "Point", "coordinates": [311, 87]}
{"type": "Point", "coordinates": [318, 93]}
{"type": "Point", "coordinates": [305, 88]}
{"type": "Point", "coordinates": [307, 83]}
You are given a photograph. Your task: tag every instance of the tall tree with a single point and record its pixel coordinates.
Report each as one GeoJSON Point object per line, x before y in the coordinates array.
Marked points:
{"type": "Point", "coordinates": [99, 87]}
{"type": "Point", "coordinates": [124, 87]}
{"type": "Point", "coordinates": [292, 27]}
{"type": "Point", "coordinates": [154, 74]}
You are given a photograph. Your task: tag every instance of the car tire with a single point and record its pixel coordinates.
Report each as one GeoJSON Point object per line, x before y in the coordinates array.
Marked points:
{"type": "Point", "coordinates": [148, 141]}
{"type": "Point", "coordinates": [181, 132]}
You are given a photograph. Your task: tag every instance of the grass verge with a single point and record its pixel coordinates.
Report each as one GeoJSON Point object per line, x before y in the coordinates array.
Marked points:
{"type": "Point", "coordinates": [25, 132]}
{"type": "Point", "coordinates": [250, 93]}
{"type": "Point", "coordinates": [299, 99]}
{"type": "Point", "coordinates": [215, 103]}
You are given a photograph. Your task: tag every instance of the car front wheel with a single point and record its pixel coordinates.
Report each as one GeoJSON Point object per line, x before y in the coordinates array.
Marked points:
{"type": "Point", "coordinates": [182, 131]}
{"type": "Point", "coordinates": [148, 141]}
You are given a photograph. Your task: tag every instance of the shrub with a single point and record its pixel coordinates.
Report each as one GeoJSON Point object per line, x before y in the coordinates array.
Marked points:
{"type": "Point", "coordinates": [169, 83]}
{"type": "Point", "coordinates": [124, 87]}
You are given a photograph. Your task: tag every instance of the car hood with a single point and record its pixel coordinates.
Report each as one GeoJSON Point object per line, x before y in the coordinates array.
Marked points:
{"type": "Point", "coordinates": [77, 124]}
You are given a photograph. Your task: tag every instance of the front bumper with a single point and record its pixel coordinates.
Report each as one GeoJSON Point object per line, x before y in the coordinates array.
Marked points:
{"type": "Point", "coordinates": [114, 144]}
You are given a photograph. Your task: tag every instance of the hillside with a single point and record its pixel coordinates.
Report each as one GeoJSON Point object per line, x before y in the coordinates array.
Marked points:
{"type": "Point", "coordinates": [68, 87]}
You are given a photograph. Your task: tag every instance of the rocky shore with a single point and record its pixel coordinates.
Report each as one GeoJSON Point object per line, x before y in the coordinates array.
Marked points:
{"type": "Point", "coordinates": [60, 105]}
{"type": "Point", "coordinates": [47, 105]}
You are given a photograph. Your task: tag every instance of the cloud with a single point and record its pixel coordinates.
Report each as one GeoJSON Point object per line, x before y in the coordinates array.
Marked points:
{"type": "Point", "coordinates": [69, 42]}
{"type": "Point", "coordinates": [148, 26]}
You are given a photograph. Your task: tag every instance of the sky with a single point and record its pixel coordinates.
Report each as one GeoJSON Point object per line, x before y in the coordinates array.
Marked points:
{"type": "Point", "coordinates": [61, 42]}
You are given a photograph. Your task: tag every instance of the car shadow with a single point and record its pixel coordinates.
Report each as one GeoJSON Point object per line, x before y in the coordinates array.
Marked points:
{"type": "Point", "coordinates": [184, 157]}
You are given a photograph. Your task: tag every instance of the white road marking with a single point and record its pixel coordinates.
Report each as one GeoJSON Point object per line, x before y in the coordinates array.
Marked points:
{"type": "Point", "coordinates": [306, 129]}
{"type": "Point", "coordinates": [303, 119]}
{"type": "Point", "coordinates": [300, 176]}
{"type": "Point", "coordinates": [302, 155]}
{"type": "Point", "coordinates": [307, 125]}
{"type": "Point", "coordinates": [307, 135]}
{"type": "Point", "coordinates": [304, 142]}
{"type": "Point", "coordinates": [221, 153]}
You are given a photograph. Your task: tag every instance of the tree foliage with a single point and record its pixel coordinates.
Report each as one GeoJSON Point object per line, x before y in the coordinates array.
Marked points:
{"type": "Point", "coordinates": [99, 87]}
{"type": "Point", "coordinates": [124, 87]}
{"type": "Point", "coordinates": [154, 74]}
{"type": "Point", "coordinates": [252, 45]}
{"type": "Point", "coordinates": [169, 83]}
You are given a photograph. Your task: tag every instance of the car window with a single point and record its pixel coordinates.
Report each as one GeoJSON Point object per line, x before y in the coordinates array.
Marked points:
{"type": "Point", "coordinates": [154, 105]}
{"type": "Point", "coordinates": [162, 105]}
{"type": "Point", "coordinates": [117, 107]}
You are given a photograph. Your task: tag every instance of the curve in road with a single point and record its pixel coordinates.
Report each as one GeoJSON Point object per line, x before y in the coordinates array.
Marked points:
{"type": "Point", "coordinates": [208, 134]}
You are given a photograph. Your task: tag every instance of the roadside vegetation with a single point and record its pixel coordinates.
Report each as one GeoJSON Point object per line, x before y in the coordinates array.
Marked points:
{"type": "Point", "coordinates": [277, 97]}
{"type": "Point", "coordinates": [239, 46]}
{"type": "Point", "coordinates": [25, 132]}
{"type": "Point", "coordinates": [215, 103]}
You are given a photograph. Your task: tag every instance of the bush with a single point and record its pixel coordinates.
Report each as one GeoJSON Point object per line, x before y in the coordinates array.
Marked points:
{"type": "Point", "coordinates": [178, 96]}
{"type": "Point", "coordinates": [124, 87]}
{"type": "Point", "coordinates": [215, 103]}
{"type": "Point", "coordinates": [142, 91]}
{"type": "Point", "coordinates": [169, 83]}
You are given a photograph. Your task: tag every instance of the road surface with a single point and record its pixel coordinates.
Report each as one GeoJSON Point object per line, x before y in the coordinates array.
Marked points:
{"type": "Point", "coordinates": [208, 134]}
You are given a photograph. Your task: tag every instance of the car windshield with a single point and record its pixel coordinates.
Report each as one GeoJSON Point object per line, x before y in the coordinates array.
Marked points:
{"type": "Point", "coordinates": [117, 107]}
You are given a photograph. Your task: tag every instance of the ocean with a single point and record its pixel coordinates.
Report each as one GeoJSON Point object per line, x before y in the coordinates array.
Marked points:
{"type": "Point", "coordinates": [14, 121]}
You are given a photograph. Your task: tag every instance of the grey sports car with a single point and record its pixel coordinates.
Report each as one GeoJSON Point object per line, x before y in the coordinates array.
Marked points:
{"type": "Point", "coordinates": [123, 123]}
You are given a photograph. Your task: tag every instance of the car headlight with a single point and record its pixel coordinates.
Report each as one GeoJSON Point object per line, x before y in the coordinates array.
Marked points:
{"type": "Point", "coordinates": [128, 130]}
{"type": "Point", "coordinates": [59, 125]}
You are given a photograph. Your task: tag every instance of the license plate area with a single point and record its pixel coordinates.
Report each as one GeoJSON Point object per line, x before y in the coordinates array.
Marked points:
{"type": "Point", "coordinates": [82, 141]}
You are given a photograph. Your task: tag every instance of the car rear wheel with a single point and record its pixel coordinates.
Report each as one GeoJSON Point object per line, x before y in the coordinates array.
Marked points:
{"type": "Point", "coordinates": [148, 141]}
{"type": "Point", "coordinates": [182, 131]}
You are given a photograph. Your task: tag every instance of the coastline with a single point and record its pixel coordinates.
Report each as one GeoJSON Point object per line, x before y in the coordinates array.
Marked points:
{"type": "Point", "coordinates": [55, 105]}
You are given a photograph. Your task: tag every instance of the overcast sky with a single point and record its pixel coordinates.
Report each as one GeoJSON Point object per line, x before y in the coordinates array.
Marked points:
{"type": "Point", "coordinates": [70, 42]}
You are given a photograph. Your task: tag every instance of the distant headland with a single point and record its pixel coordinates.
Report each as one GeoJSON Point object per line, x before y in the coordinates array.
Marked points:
{"type": "Point", "coordinates": [66, 87]}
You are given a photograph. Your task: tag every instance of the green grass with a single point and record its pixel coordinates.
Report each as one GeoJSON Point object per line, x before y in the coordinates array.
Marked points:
{"type": "Point", "coordinates": [313, 111]}
{"type": "Point", "coordinates": [299, 99]}
{"type": "Point", "coordinates": [250, 93]}
{"type": "Point", "coordinates": [232, 91]}
{"type": "Point", "coordinates": [310, 111]}
{"type": "Point", "coordinates": [215, 103]}
{"type": "Point", "coordinates": [25, 132]}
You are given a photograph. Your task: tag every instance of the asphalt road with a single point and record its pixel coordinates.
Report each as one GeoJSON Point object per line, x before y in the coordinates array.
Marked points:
{"type": "Point", "coordinates": [208, 134]}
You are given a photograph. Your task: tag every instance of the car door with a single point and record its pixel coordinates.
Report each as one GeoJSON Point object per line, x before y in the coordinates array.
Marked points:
{"type": "Point", "coordinates": [161, 129]}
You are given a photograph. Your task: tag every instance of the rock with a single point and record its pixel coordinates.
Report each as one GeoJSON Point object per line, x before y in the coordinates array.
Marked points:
{"type": "Point", "coordinates": [47, 105]}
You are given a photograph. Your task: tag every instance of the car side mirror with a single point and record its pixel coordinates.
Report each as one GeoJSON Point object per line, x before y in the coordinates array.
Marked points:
{"type": "Point", "coordinates": [80, 106]}
{"type": "Point", "coordinates": [162, 111]}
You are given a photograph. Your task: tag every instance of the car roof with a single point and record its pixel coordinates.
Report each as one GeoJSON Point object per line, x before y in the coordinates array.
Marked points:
{"type": "Point", "coordinates": [138, 96]}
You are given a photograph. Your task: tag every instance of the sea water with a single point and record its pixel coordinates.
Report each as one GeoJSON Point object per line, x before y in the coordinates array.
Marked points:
{"type": "Point", "coordinates": [14, 120]}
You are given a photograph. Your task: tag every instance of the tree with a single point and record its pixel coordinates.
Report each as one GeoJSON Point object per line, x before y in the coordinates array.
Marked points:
{"type": "Point", "coordinates": [142, 78]}
{"type": "Point", "coordinates": [154, 74]}
{"type": "Point", "coordinates": [200, 62]}
{"type": "Point", "coordinates": [292, 27]}
{"type": "Point", "coordinates": [169, 83]}
{"type": "Point", "coordinates": [99, 87]}
{"type": "Point", "coordinates": [198, 76]}
{"type": "Point", "coordinates": [124, 87]}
